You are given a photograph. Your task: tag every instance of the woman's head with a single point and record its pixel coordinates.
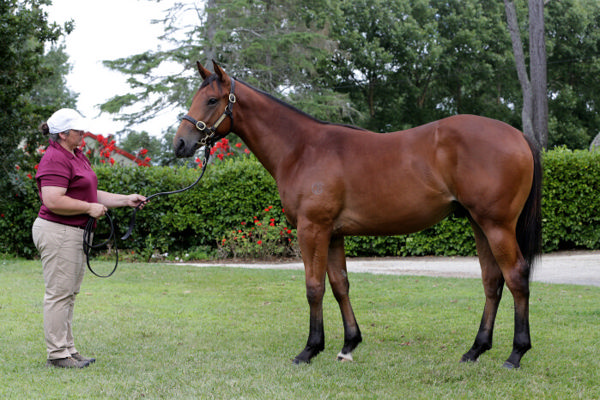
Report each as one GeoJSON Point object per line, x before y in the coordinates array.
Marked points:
{"type": "Point", "coordinates": [64, 121]}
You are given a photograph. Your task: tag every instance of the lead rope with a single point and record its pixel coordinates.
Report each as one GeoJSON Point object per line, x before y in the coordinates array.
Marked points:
{"type": "Point", "coordinates": [89, 229]}
{"type": "Point", "coordinates": [88, 243]}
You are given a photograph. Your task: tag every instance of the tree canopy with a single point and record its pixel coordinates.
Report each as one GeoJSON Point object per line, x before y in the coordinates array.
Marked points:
{"type": "Point", "coordinates": [383, 65]}
{"type": "Point", "coordinates": [33, 67]}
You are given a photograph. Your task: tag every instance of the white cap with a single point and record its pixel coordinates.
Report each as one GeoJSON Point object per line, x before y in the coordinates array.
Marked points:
{"type": "Point", "coordinates": [66, 119]}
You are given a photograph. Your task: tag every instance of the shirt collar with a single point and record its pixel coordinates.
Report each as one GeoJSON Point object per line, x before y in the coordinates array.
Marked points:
{"type": "Point", "coordinates": [57, 146]}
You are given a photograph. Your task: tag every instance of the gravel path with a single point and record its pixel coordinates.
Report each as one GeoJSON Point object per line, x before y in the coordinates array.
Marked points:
{"type": "Point", "coordinates": [578, 268]}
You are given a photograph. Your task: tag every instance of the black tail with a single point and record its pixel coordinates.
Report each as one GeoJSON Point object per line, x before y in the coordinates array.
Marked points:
{"type": "Point", "coordinates": [529, 225]}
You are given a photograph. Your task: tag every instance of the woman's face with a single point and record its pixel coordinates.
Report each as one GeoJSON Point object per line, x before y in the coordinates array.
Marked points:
{"type": "Point", "coordinates": [73, 139]}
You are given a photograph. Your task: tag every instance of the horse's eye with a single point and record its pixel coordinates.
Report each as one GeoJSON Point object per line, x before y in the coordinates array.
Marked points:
{"type": "Point", "coordinates": [212, 101]}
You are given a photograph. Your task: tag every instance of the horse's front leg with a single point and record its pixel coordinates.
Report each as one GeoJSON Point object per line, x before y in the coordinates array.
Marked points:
{"type": "Point", "coordinates": [338, 279]}
{"type": "Point", "coordinates": [314, 243]}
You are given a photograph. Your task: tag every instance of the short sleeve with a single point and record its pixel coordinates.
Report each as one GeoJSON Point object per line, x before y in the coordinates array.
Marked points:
{"type": "Point", "coordinates": [53, 172]}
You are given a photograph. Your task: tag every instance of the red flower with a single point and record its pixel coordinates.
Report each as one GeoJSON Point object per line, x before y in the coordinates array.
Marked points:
{"type": "Point", "coordinates": [143, 152]}
{"type": "Point", "coordinates": [259, 242]}
{"type": "Point", "coordinates": [29, 176]}
{"type": "Point", "coordinates": [238, 145]}
{"type": "Point", "coordinates": [112, 161]}
{"type": "Point", "coordinates": [17, 167]}
{"type": "Point", "coordinates": [36, 166]}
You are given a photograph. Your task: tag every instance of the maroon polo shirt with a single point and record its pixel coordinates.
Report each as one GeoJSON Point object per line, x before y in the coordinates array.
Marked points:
{"type": "Point", "coordinates": [59, 167]}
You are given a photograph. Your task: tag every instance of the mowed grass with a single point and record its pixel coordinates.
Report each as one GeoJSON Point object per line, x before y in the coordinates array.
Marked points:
{"type": "Point", "coordinates": [173, 331]}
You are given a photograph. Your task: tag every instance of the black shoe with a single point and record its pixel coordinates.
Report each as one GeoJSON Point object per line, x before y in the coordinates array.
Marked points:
{"type": "Point", "coordinates": [79, 357]}
{"type": "Point", "coordinates": [68, 362]}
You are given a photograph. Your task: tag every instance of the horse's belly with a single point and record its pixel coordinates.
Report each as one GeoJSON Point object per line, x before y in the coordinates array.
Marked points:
{"type": "Point", "coordinates": [391, 221]}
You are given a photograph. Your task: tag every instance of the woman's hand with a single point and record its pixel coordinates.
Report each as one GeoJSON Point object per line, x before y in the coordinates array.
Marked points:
{"type": "Point", "coordinates": [134, 200]}
{"type": "Point", "coordinates": [97, 210]}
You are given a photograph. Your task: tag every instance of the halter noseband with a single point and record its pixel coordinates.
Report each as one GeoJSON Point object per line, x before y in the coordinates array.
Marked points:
{"type": "Point", "coordinates": [210, 134]}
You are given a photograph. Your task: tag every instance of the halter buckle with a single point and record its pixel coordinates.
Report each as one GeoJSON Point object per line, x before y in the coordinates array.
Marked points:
{"type": "Point", "coordinates": [201, 126]}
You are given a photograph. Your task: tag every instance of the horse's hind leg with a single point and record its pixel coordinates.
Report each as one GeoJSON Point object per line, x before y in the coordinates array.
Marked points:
{"type": "Point", "coordinates": [493, 283]}
{"type": "Point", "coordinates": [515, 270]}
{"type": "Point", "coordinates": [338, 278]}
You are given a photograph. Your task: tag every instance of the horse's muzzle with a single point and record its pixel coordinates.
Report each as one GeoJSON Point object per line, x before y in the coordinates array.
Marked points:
{"type": "Point", "coordinates": [183, 150]}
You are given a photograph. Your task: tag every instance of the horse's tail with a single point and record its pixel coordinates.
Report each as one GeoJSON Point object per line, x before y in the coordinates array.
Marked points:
{"type": "Point", "coordinates": [529, 225]}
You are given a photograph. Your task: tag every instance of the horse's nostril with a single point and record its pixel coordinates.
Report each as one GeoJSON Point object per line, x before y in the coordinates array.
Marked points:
{"type": "Point", "coordinates": [179, 147]}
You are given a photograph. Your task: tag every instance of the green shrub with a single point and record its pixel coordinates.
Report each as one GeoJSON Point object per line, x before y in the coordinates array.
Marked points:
{"type": "Point", "coordinates": [18, 211]}
{"type": "Point", "coordinates": [194, 223]}
{"type": "Point", "coordinates": [571, 200]}
{"type": "Point", "coordinates": [267, 236]}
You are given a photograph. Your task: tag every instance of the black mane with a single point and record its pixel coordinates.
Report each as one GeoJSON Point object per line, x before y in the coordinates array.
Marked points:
{"type": "Point", "coordinates": [283, 103]}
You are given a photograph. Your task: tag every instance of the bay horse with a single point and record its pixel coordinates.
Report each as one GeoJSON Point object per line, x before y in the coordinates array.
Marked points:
{"type": "Point", "coordinates": [337, 180]}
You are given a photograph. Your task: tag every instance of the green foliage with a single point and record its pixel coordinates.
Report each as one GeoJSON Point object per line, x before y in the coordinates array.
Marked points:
{"type": "Point", "coordinates": [571, 199]}
{"type": "Point", "coordinates": [235, 190]}
{"type": "Point", "coordinates": [230, 192]}
{"type": "Point", "coordinates": [573, 41]}
{"type": "Point", "coordinates": [263, 238]}
{"type": "Point", "coordinates": [32, 87]}
{"type": "Point", "coordinates": [382, 65]}
{"type": "Point", "coordinates": [17, 214]}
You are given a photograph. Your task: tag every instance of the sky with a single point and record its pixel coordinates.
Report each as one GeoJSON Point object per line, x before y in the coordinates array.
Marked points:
{"type": "Point", "coordinates": [107, 30]}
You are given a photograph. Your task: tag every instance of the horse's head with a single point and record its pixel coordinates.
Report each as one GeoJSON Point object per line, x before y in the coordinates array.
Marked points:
{"type": "Point", "coordinates": [209, 117]}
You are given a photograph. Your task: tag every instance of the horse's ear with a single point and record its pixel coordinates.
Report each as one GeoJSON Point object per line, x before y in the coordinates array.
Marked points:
{"type": "Point", "coordinates": [219, 71]}
{"type": "Point", "coordinates": [204, 73]}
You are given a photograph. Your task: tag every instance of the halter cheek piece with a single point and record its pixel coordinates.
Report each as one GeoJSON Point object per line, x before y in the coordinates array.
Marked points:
{"type": "Point", "coordinates": [210, 134]}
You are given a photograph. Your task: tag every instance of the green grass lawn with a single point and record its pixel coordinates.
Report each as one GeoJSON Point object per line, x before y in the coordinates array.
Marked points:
{"type": "Point", "coordinates": [169, 331]}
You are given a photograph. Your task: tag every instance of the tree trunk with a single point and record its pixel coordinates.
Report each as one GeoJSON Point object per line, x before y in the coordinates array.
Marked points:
{"type": "Point", "coordinates": [535, 96]}
{"type": "Point", "coordinates": [517, 45]}
{"type": "Point", "coordinates": [537, 68]}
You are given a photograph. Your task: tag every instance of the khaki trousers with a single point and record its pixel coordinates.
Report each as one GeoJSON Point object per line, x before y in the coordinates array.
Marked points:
{"type": "Point", "coordinates": [61, 251]}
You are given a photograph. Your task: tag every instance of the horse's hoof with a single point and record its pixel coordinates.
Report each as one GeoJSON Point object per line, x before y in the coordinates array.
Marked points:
{"type": "Point", "coordinates": [509, 365]}
{"type": "Point", "coordinates": [345, 357]}
{"type": "Point", "coordinates": [465, 359]}
{"type": "Point", "coordinates": [297, 361]}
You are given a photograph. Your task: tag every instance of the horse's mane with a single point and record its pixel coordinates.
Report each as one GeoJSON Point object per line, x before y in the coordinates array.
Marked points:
{"type": "Point", "coordinates": [214, 77]}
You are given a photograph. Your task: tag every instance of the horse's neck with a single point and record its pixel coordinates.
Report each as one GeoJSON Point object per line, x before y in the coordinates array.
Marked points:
{"type": "Point", "coordinates": [273, 132]}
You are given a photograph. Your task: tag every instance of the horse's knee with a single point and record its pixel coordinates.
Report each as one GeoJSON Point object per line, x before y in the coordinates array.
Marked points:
{"type": "Point", "coordinates": [315, 293]}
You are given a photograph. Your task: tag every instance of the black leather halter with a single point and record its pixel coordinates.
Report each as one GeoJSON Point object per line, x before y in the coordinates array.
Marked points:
{"type": "Point", "coordinates": [210, 134]}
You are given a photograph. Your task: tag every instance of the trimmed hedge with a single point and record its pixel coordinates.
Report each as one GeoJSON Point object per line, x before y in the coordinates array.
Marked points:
{"type": "Point", "coordinates": [237, 189]}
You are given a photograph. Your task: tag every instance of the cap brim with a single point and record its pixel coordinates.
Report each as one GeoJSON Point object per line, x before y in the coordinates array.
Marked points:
{"type": "Point", "coordinates": [81, 124]}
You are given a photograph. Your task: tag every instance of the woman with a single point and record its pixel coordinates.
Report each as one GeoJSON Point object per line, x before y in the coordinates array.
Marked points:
{"type": "Point", "coordinates": [68, 188]}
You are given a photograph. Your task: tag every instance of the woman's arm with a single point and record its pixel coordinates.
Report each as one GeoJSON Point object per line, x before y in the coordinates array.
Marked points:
{"type": "Point", "coordinates": [113, 200]}
{"type": "Point", "coordinates": [58, 202]}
